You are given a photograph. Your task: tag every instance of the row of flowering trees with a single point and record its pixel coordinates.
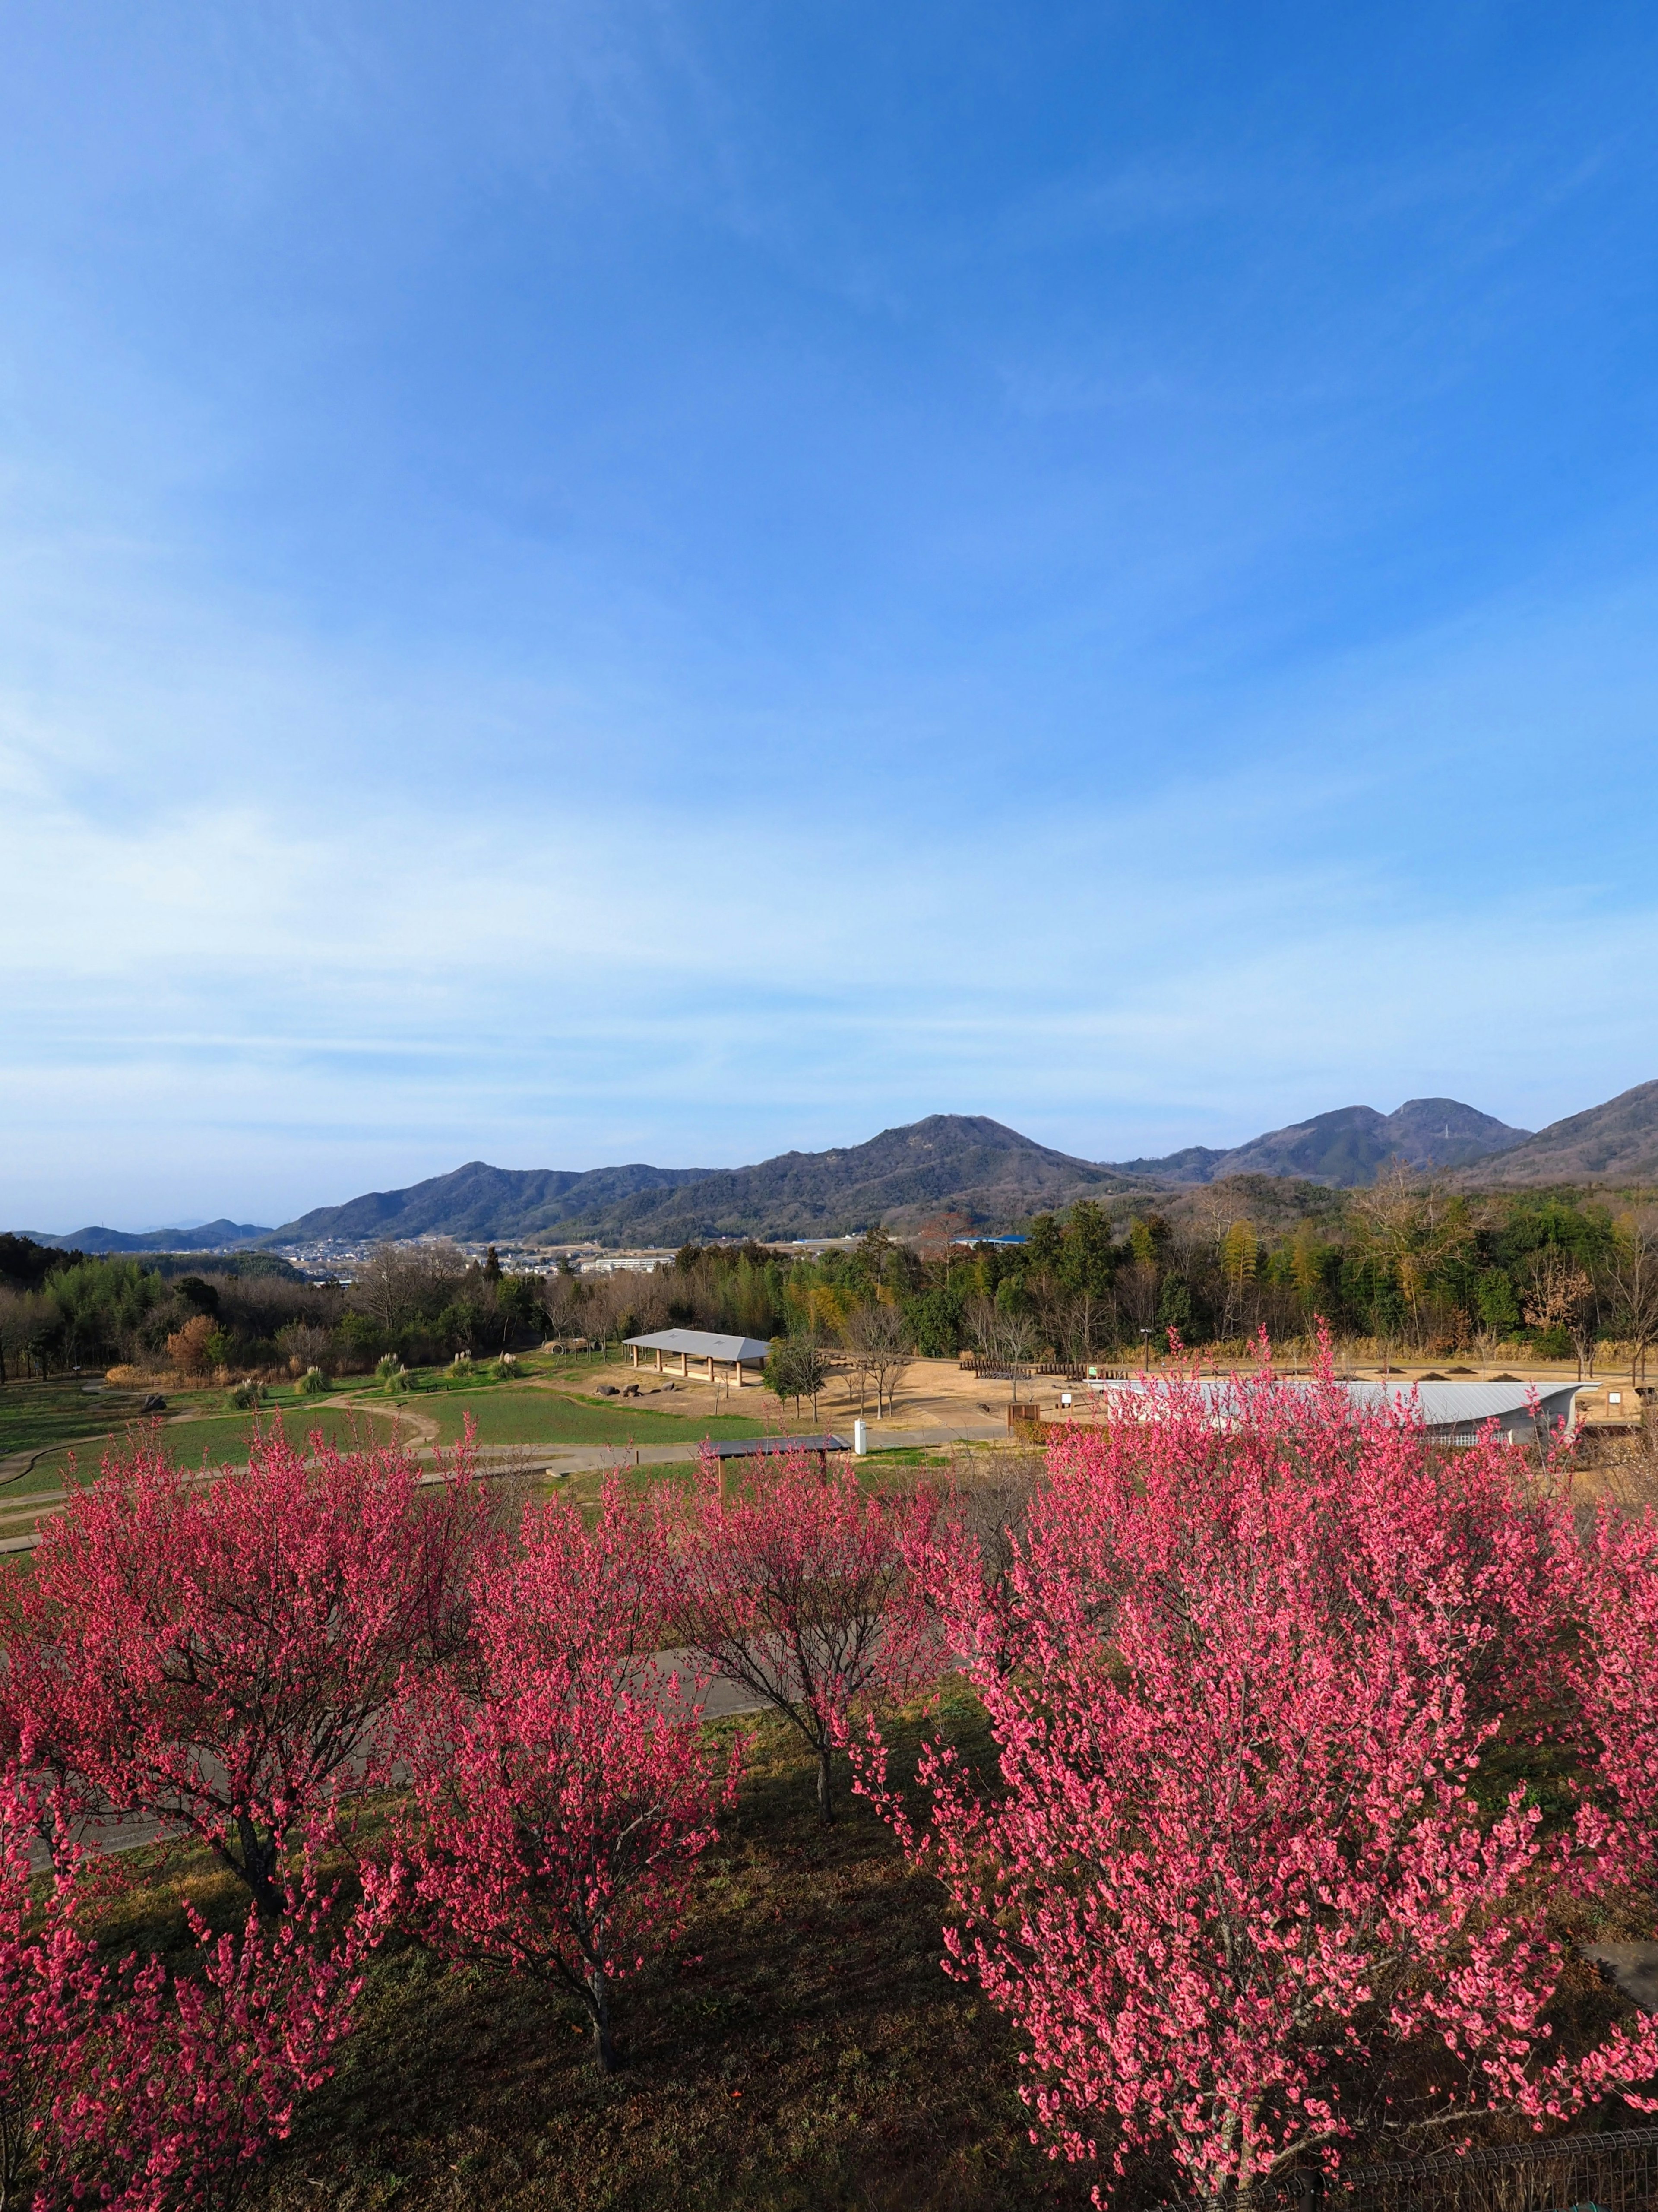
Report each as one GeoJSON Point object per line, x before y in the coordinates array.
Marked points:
{"type": "Point", "coordinates": [242, 1660]}
{"type": "Point", "coordinates": [1244, 1872]}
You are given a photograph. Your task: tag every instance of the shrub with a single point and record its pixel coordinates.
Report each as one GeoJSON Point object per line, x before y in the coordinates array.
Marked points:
{"type": "Point", "coordinates": [314, 1383]}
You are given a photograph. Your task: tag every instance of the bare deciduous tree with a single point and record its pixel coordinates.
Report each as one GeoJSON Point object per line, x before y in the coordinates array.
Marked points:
{"type": "Point", "coordinates": [1632, 1280]}
{"type": "Point", "coordinates": [303, 1344]}
{"type": "Point", "coordinates": [1560, 1294]}
{"type": "Point", "coordinates": [877, 1337]}
{"type": "Point", "coordinates": [1005, 1339]}
{"type": "Point", "coordinates": [396, 1281]}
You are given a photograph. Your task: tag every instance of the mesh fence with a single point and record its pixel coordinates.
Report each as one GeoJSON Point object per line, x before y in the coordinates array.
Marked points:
{"type": "Point", "coordinates": [1572, 2173]}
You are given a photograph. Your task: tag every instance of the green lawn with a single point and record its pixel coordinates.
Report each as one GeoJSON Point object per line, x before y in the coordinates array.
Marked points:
{"type": "Point", "coordinates": [518, 1413]}
{"type": "Point", "coordinates": [36, 1413]}
{"type": "Point", "coordinates": [218, 1440]}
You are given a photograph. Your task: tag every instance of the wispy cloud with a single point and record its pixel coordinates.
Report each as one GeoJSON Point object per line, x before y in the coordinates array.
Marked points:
{"type": "Point", "coordinates": [608, 586]}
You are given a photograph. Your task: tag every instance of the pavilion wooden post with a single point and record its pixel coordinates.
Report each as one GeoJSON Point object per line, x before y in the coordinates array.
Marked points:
{"type": "Point", "coordinates": [658, 1359]}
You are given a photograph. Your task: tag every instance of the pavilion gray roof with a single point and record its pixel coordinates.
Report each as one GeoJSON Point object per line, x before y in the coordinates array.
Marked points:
{"type": "Point", "coordinates": [1443, 1404]}
{"type": "Point", "coordinates": [705, 1344]}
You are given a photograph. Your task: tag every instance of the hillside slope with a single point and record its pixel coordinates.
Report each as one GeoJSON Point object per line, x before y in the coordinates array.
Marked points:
{"type": "Point", "coordinates": [210, 1237]}
{"type": "Point", "coordinates": [1616, 1142]}
{"type": "Point", "coordinates": [479, 1201]}
{"type": "Point", "coordinates": [965, 1162]}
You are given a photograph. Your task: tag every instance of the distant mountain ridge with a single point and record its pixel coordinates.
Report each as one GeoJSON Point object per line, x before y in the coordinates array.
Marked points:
{"type": "Point", "coordinates": [900, 1177]}
{"type": "Point", "coordinates": [988, 1175]}
{"type": "Point", "coordinates": [210, 1237]}
{"type": "Point", "coordinates": [477, 1200]}
{"type": "Point", "coordinates": [1616, 1142]}
{"type": "Point", "coordinates": [966, 1163]}
{"type": "Point", "coordinates": [1349, 1147]}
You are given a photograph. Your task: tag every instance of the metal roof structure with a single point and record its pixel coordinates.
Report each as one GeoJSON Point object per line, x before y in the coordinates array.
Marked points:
{"type": "Point", "coordinates": [1454, 1405]}
{"type": "Point", "coordinates": [705, 1344]}
{"type": "Point", "coordinates": [1464, 1407]}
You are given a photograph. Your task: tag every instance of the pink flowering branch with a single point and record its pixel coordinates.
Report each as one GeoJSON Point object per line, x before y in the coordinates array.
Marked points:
{"type": "Point", "coordinates": [138, 2088]}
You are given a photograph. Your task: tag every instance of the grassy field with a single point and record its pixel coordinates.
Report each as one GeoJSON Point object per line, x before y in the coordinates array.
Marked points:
{"type": "Point", "coordinates": [799, 2048]}
{"type": "Point", "coordinates": [67, 1429]}
{"type": "Point", "coordinates": [216, 1440]}
{"type": "Point", "coordinates": [36, 1413]}
{"type": "Point", "coordinates": [519, 1413]}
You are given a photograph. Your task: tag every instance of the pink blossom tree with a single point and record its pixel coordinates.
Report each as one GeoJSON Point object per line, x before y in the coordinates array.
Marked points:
{"type": "Point", "coordinates": [1613, 1672]}
{"type": "Point", "coordinates": [137, 2087]}
{"type": "Point", "coordinates": [797, 1588]}
{"type": "Point", "coordinates": [1241, 1676]}
{"type": "Point", "coordinates": [49, 1977]}
{"type": "Point", "coordinates": [223, 1654]}
{"type": "Point", "coordinates": [562, 1792]}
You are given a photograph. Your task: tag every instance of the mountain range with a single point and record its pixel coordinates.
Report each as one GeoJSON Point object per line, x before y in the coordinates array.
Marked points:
{"type": "Point", "coordinates": [1347, 1147]}
{"type": "Point", "coordinates": [210, 1237]}
{"type": "Point", "coordinates": [965, 1165]}
{"type": "Point", "coordinates": [961, 1162]}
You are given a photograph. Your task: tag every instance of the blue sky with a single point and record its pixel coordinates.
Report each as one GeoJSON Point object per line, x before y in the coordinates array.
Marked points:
{"type": "Point", "coordinates": [582, 584]}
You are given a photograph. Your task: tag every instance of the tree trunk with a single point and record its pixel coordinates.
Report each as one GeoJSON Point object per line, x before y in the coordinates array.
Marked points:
{"type": "Point", "coordinates": [258, 1869]}
{"type": "Point", "coordinates": [825, 1787]}
{"type": "Point", "coordinates": [598, 2003]}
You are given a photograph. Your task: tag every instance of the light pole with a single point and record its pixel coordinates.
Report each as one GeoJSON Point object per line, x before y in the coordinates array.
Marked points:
{"type": "Point", "coordinates": [1145, 1349]}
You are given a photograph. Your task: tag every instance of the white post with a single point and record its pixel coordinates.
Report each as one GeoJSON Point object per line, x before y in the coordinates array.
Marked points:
{"type": "Point", "coordinates": [860, 1439]}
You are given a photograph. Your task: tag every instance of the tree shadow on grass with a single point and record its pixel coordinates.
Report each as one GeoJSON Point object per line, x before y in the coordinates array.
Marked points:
{"type": "Point", "coordinates": [801, 2048]}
